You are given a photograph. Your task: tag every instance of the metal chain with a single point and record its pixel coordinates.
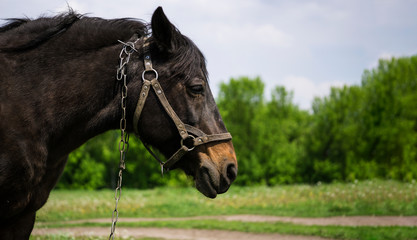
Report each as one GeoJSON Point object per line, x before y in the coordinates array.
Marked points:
{"type": "Point", "coordinates": [124, 56]}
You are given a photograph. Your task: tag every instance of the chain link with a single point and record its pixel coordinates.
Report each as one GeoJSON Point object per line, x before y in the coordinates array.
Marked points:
{"type": "Point", "coordinates": [124, 56]}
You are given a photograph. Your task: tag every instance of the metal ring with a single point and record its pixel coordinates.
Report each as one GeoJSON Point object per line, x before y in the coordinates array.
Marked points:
{"type": "Point", "coordinates": [129, 48]}
{"type": "Point", "coordinates": [182, 143]}
{"type": "Point", "coordinates": [150, 70]}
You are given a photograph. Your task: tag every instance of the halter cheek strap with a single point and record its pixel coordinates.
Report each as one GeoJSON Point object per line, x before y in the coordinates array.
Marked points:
{"type": "Point", "coordinates": [190, 136]}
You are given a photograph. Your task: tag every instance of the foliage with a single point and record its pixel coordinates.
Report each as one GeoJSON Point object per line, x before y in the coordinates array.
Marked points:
{"type": "Point", "coordinates": [266, 134]}
{"type": "Point", "coordinates": [95, 165]}
{"type": "Point", "coordinates": [368, 131]}
{"type": "Point", "coordinates": [357, 132]}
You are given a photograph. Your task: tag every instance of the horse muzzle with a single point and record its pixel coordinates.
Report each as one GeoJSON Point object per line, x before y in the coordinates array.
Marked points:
{"type": "Point", "coordinates": [218, 169]}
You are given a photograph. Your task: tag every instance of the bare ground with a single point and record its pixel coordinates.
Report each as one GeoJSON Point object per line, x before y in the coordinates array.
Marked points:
{"type": "Point", "coordinates": [339, 221]}
{"type": "Point", "coordinates": [169, 233]}
{"type": "Point", "coordinates": [196, 234]}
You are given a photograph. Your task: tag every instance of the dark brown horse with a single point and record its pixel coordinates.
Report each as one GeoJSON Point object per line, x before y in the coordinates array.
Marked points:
{"type": "Point", "coordinates": [59, 88]}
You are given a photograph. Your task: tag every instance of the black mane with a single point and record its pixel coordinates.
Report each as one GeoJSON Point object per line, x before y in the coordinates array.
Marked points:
{"type": "Point", "coordinates": [188, 58]}
{"type": "Point", "coordinates": [87, 32]}
{"type": "Point", "coordinates": [77, 32]}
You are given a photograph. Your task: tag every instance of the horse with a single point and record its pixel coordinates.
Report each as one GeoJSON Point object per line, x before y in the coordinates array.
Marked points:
{"type": "Point", "coordinates": [60, 86]}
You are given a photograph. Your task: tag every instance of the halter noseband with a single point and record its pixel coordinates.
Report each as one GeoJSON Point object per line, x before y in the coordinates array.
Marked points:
{"type": "Point", "coordinates": [190, 136]}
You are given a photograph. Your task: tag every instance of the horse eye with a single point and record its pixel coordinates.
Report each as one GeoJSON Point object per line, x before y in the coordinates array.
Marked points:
{"type": "Point", "coordinates": [197, 89]}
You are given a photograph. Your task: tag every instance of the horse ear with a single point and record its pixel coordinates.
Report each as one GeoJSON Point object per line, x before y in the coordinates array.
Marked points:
{"type": "Point", "coordinates": [163, 30]}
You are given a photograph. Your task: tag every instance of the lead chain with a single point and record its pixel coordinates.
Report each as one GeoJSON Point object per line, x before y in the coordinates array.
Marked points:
{"type": "Point", "coordinates": [124, 56]}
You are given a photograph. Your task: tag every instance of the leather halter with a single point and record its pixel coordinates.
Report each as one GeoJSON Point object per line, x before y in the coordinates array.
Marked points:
{"type": "Point", "coordinates": [190, 136]}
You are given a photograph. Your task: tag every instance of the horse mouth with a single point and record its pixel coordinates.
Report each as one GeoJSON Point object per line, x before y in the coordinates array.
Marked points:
{"type": "Point", "coordinates": [205, 184]}
{"type": "Point", "coordinates": [210, 181]}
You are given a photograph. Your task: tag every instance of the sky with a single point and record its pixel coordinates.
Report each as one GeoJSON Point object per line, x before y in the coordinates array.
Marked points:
{"type": "Point", "coordinates": [305, 46]}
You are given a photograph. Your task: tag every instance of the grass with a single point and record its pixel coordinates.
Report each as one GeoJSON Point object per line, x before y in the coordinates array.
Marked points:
{"type": "Point", "coordinates": [321, 200]}
{"type": "Point", "coordinates": [362, 198]}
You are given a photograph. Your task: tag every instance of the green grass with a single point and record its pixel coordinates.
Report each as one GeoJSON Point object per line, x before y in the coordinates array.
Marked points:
{"type": "Point", "coordinates": [322, 200]}
{"type": "Point", "coordinates": [362, 198]}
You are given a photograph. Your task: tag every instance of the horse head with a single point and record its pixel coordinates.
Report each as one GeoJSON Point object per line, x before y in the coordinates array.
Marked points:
{"type": "Point", "coordinates": [183, 78]}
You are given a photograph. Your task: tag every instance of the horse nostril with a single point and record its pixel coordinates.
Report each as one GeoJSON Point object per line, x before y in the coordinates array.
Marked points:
{"type": "Point", "coordinates": [228, 176]}
{"type": "Point", "coordinates": [231, 172]}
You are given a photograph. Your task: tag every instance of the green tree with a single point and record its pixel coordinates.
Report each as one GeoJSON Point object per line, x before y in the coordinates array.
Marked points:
{"type": "Point", "coordinates": [367, 131]}
{"type": "Point", "coordinates": [267, 134]}
{"type": "Point", "coordinates": [391, 114]}
{"type": "Point", "coordinates": [281, 128]}
{"type": "Point", "coordinates": [334, 135]}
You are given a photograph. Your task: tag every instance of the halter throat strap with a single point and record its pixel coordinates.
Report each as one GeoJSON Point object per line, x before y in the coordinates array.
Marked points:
{"type": "Point", "coordinates": [190, 136]}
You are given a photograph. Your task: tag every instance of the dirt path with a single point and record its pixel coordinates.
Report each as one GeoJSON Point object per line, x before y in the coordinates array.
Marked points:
{"type": "Point", "coordinates": [197, 234]}
{"type": "Point", "coordinates": [169, 233]}
{"type": "Point", "coordinates": [339, 221]}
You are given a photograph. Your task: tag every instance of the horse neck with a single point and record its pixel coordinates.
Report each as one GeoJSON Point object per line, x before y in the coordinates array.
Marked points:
{"type": "Point", "coordinates": [81, 98]}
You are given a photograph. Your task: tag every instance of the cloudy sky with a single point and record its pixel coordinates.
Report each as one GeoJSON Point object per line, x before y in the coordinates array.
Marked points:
{"type": "Point", "coordinates": [306, 46]}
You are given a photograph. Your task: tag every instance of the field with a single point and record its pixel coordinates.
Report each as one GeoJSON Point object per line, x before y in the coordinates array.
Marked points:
{"type": "Point", "coordinates": [368, 198]}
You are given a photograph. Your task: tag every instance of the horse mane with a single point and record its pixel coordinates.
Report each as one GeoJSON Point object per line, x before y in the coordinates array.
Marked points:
{"type": "Point", "coordinates": [77, 32]}
{"type": "Point", "coordinates": [188, 58]}
{"type": "Point", "coordinates": [86, 32]}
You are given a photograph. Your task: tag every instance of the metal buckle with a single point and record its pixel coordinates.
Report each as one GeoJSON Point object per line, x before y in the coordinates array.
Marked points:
{"type": "Point", "coordinates": [191, 137]}
{"type": "Point", "coordinates": [149, 70]}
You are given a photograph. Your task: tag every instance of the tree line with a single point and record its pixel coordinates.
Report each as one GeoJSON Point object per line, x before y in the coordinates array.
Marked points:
{"type": "Point", "coordinates": [357, 132]}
